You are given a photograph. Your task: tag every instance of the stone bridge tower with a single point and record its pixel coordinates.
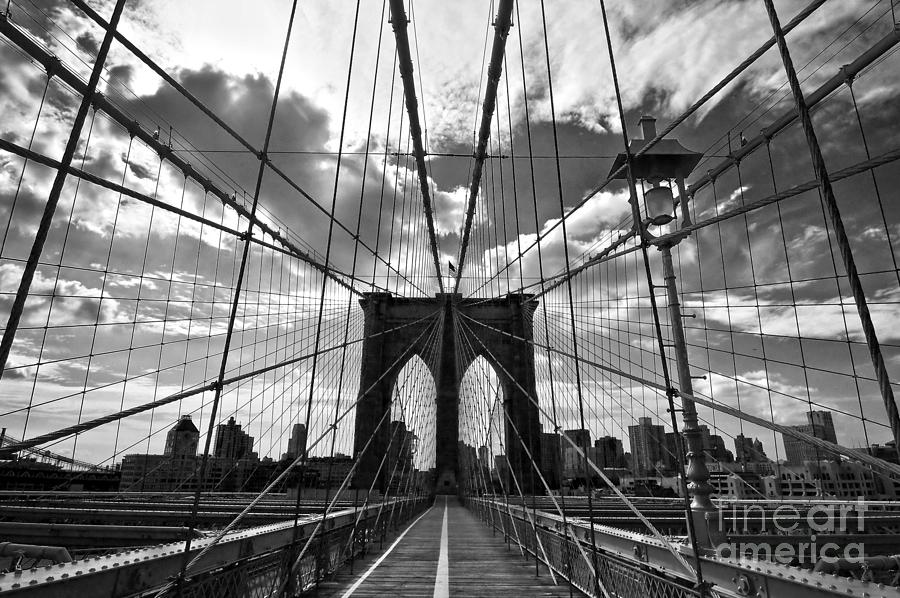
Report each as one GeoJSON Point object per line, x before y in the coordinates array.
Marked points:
{"type": "Point", "coordinates": [381, 359]}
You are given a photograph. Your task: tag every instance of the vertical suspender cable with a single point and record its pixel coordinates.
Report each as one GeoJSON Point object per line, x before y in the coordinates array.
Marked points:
{"type": "Point", "coordinates": [558, 449]}
{"type": "Point", "coordinates": [679, 444]}
{"type": "Point", "coordinates": [562, 213]}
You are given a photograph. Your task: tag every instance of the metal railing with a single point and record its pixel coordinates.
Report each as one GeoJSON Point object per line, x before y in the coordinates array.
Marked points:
{"type": "Point", "coordinates": [262, 561]}
{"type": "Point", "coordinates": [634, 565]}
{"type": "Point", "coordinates": [569, 556]}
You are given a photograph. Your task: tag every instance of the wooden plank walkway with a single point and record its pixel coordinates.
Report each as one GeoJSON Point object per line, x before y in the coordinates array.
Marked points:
{"type": "Point", "coordinates": [447, 552]}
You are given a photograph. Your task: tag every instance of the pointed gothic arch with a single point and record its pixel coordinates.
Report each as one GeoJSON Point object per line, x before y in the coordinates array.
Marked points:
{"type": "Point", "coordinates": [397, 328]}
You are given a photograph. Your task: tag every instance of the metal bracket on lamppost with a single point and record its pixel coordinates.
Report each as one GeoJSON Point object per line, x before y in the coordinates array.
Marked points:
{"type": "Point", "coordinates": [665, 161]}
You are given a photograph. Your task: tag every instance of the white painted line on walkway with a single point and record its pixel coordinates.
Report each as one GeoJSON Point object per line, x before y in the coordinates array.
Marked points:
{"type": "Point", "coordinates": [442, 580]}
{"type": "Point", "coordinates": [390, 549]}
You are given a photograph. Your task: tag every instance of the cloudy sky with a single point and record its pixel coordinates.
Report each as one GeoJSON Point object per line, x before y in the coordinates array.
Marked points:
{"type": "Point", "coordinates": [748, 338]}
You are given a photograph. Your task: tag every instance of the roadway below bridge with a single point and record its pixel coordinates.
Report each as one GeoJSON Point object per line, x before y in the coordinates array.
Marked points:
{"type": "Point", "coordinates": [445, 552]}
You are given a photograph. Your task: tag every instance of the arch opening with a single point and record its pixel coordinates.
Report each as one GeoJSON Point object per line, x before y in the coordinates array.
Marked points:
{"type": "Point", "coordinates": [411, 431]}
{"type": "Point", "coordinates": [483, 463]}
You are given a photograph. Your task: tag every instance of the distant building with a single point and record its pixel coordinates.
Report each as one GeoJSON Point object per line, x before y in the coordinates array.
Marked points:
{"type": "Point", "coordinates": [177, 469]}
{"type": "Point", "coordinates": [402, 444]}
{"type": "Point", "coordinates": [886, 451]}
{"type": "Point", "coordinates": [762, 468]}
{"type": "Point", "coordinates": [581, 438]}
{"type": "Point", "coordinates": [182, 440]}
{"type": "Point", "coordinates": [297, 442]}
{"type": "Point", "coordinates": [327, 472]}
{"type": "Point", "coordinates": [647, 446]}
{"type": "Point", "coordinates": [670, 453]}
{"type": "Point", "coordinates": [820, 425]}
{"type": "Point", "coordinates": [470, 473]}
{"type": "Point", "coordinates": [501, 470]}
{"type": "Point", "coordinates": [574, 465]}
{"type": "Point", "coordinates": [822, 421]}
{"type": "Point", "coordinates": [232, 442]}
{"type": "Point", "coordinates": [159, 473]}
{"type": "Point", "coordinates": [31, 475]}
{"type": "Point", "coordinates": [825, 479]}
{"type": "Point", "coordinates": [484, 456]}
{"type": "Point", "coordinates": [714, 446]}
{"type": "Point", "coordinates": [846, 479]}
{"type": "Point", "coordinates": [749, 450]}
{"type": "Point", "coordinates": [551, 459]}
{"type": "Point", "coordinates": [610, 452]}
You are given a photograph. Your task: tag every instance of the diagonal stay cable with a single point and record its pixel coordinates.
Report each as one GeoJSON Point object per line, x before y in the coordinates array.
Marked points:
{"type": "Point", "coordinates": [400, 22]}
{"type": "Point", "coordinates": [607, 254]}
{"type": "Point", "coordinates": [541, 235]}
{"type": "Point", "coordinates": [43, 230]}
{"type": "Point", "coordinates": [502, 24]}
{"type": "Point", "coordinates": [103, 103]}
{"type": "Point", "coordinates": [335, 274]}
{"type": "Point", "coordinates": [161, 72]}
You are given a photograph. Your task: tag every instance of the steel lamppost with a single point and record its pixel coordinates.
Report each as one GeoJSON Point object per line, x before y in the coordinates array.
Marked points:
{"type": "Point", "coordinates": [665, 162]}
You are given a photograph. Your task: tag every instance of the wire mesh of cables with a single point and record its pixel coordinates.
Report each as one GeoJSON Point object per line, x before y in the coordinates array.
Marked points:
{"type": "Point", "coordinates": [177, 336]}
{"type": "Point", "coordinates": [774, 342]}
{"type": "Point", "coordinates": [174, 322]}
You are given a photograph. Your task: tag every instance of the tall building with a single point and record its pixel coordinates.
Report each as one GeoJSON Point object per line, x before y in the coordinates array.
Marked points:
{"type": "Point", "coordinates": [484, 456]}
{"type": "Point", "coordinates": [470, 477]}
{"type": "Point", "coordinates": [501, 470]}
{"type": "Point", "coordinates": [749, 450]}
{"type": "Point", "coordinates": [822, 421]}
{"type": "Point", "coordinates": [886, 451]}
{"type": "Point", "coordinates": [297, 443]}
{"type": "Point", "coordinates": [182, 440]}
{"type": "Point", "coordinates": [403, 443]}
{"type": "Point", "coordinates": [647, 446]}
{"type": "Point", "coordinates": [610, 452]}
{"type": "Point", "coordinates": [714, 446]}
{"type": "Point", "coordinates": [551, 458]}
{"type": "Point", "coordinates": [670, 452]}
{"type": "Point", "coordinates": [228, 469]}
{"type": "Point", "coordinates": [820, 425]}
{"type": "Point", "coordinates": [401, 446]}
{"type": "Point", "coordinates": [574, 465]}
{"type": "Point", "coordinates": [232, 443]}
{"type": "Point", "coordinates": [582, 438]}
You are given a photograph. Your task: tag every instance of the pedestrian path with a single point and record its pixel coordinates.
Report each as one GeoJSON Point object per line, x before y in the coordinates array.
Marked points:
{"type": "Point", "coordinates": [446, 552]}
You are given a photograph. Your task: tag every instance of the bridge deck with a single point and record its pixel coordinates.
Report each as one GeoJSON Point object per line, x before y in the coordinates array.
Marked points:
{"type": "Point", "coordinates": [447, 552]}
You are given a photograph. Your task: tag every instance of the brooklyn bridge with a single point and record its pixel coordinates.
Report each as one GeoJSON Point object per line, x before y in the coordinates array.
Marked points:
{"type": "Point", "coordinates": [418, 298]}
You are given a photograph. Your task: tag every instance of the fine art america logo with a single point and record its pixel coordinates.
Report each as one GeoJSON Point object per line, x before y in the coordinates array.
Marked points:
{"type": "Point", "coordinates": [819, 519]}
